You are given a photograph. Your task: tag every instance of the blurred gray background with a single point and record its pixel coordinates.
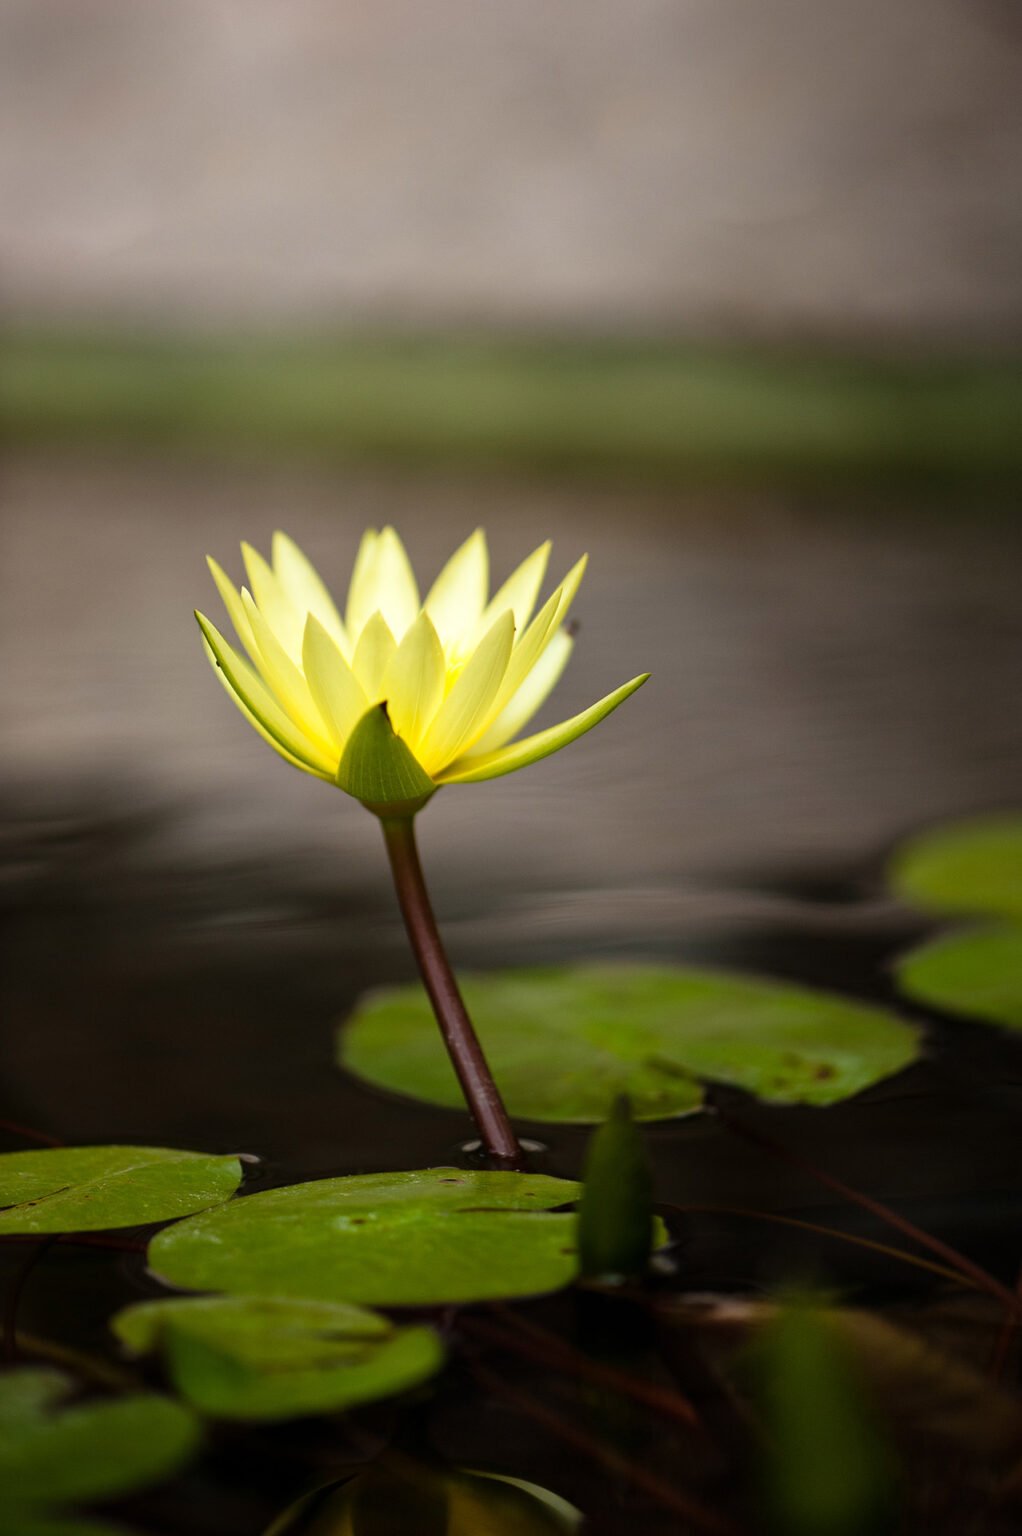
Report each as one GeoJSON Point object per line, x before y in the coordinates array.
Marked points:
{"type": "Point", "coordinates": [742, 167]}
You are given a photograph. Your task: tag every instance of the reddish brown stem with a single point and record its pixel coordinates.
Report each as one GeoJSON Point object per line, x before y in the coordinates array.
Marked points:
{"type": "Point", "coordinates": [29, 1134]}
{"type": "Point", "coordinates": [695, 1514]}
{"type": "Point", "coordinates": [980, 1277]}
{"type": "Point", "coordinates": [547, 1349]}
{"type": "Point", "coordinates": [469, 1063]}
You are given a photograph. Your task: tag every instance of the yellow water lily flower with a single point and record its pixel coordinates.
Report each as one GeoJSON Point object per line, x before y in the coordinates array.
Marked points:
{"type": "Point", "coordinates": [400, 696]}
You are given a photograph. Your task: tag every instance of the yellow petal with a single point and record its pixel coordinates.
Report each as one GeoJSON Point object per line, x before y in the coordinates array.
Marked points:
{"type": "Point", "coordinates": [304, 588]}
{"type": "Point", "coordinates": [413, 684]}
{"type": "Point", "coordinates": [397, 592]}
{"type": "Point", "coordinates": [235, 607]}
{"type": "Point", "coordinates": [471, 769]}
{"type": "Point", "coordinates": [361, 603]}
{"type": "Point", "coordinates": [537, 637]}
{"type": "Point", "coordinates": [569, 587]}
{"type": "Point", "coordinates": [372, 654]}
{"type": "Point", "coordinates": [458, 596]}
{"type": "Point", "coordinates": [284, 679]}
{"type": "Point", "coordinates": [276, 608]}
{"type": "Point", "coordinates": [253, 722]}
{"type": "Point", "coordinates": [533, 693]}
{"type": "Point", "coordinates": [334, 687]}
{"type": "Point", "coordinates": [464, 712]}
{"type": "Point", "coordinates": [520, 591]}
{"type": "Point", "coordinates": [255, 698]}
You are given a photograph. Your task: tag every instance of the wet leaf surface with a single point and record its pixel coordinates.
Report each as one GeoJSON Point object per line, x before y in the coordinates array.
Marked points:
{"type": "Point", "coordinates": [89, 1189]}
{"type": "Point", "coordinates": [259, 1358]}
{"type": "Point", "coordinates": [424, 1238]}
{"type": "Point", "coordinates": [564, 1043]}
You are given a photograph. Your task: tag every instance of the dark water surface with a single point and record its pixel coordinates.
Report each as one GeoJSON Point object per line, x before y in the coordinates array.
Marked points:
{"type": "Point", "coordinates": [186, 919]}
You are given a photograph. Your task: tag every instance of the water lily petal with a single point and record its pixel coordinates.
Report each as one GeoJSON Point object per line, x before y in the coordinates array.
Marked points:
{"type": "Point", "coordinates": [397, 591]}
{"type": "Point", "coordinates": [338, 694]}
{"type": "Point", "coordinates": [458, 596]}
{"type": "Point", "coordinates": [534, 692]}
{"type": "Point", "coordinates": [376, 645]}
{"type": "Point", "coordinates": [362, 602]}
{"type": "Point", "coordinates": [234, 605]}
{"type": "Point", "coordinates": [285, 681]}
{"type": "Point", "coordinates": [304, 588]}
{"type": "Point", "coordinates": [254, 723]}
{"type": "Point", "coordinates": [274, 605]}
{"type": "Point", "coordinates": [537, 637]}
{"type": "Point", "coordinates": [255, 700]}
{"type": "Point", "coordinates": [471, 769]}
{"type": "Point", "coordinates": [464, 712]}
{"type": "Point", "coordinates": [519, 592]}
{"type": "Point", "coordinates": [413, 684]}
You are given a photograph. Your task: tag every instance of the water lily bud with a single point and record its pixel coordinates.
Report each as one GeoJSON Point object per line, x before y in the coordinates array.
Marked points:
{"type": "Point", "coordinates": [401, 695]}
{"type": "Point", "coordinates": [615, 1214]}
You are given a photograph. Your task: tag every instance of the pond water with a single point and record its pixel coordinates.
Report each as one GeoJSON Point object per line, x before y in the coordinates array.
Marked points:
{"type": "Point", "coordinates": [186, 920]}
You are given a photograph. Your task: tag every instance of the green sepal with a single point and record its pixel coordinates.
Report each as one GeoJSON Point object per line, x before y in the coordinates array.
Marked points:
{"type": "Point", "coordinates": [615, 1213]}
{"type": "Point", "coordinates": [378, 768]}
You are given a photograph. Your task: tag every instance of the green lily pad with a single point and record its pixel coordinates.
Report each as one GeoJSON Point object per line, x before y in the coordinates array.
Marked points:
{"type": "Point", "coordinates": [400, 1495]}
{"type": "Point", "coordinates": [978, 974]}
{"type": "Point", "coordinates": [564, 1043]}
{"type": "Point", "coordinates": [247, 1357]}
{"type": "Point", "coordinates": [425, 1238]}
{"type": "Point", "coordinates": [87, 1189]}
{"type": "Point", "coordinates": [52, 1454]}
{"type": "Point", "coordinates": [969, 867]}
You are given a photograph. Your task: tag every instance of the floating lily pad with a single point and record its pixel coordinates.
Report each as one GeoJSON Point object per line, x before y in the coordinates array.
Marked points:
{"type": "Point", "coordinates": [259, 1358]}
{"type": "Point", "coordinates": [969, 867]}
{"type": "Point", "coordinates": [978, 974]}
{"type": "Point", "coordinates": [425, 1238]}
{"type": "Point", "coordinates": [52, 1454]}
{"type": "Point", "coordinates": [402, 1495]}
{"type": "Point", "coordinates": [564, 1043]}
{"type": "Point", "coordinates": [87, 1189]}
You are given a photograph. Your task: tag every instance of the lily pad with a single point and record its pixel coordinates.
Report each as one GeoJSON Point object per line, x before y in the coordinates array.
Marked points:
{"type": "Point", "coordinates": [424, 1238]}
{"type": "Point", "coordinates": [398, 1494]}
{"type": "Point", "coordinates": [88, 1189]}
{"type": "Point", "coordinates": [971, 866]}
{"type": "Point", "coordinates": [564, 1043]}
{"type": "Point", "coordinates": [260, 1358]}
{"type": "Point", "coordinates": [52, 1454]}
{"type": "Point", "coordinates": [978, 974]}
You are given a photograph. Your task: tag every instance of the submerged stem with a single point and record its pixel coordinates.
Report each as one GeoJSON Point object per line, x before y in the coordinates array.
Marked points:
{"type": "Point", "coordinates": [481, 1095]}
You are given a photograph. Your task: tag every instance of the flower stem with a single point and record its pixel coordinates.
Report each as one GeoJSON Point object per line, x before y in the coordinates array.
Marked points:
{"type": "Point", "coordinates": [481, 1095]}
